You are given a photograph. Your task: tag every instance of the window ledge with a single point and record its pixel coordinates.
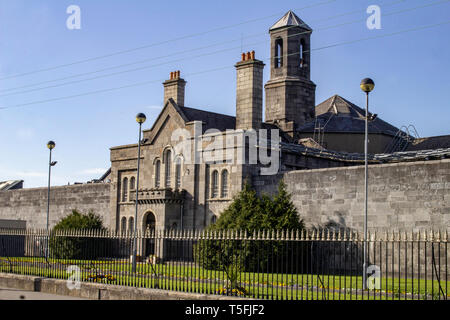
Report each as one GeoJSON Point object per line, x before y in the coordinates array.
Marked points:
{"type": "Point", "coordinates": [218, 199]}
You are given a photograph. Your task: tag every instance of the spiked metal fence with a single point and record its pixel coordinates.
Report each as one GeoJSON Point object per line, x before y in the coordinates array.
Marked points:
{"type": "Point", "coordinates": [286, 265]}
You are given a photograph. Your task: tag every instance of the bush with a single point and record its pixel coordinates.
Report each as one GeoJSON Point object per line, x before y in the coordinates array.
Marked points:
{"type": "Point", "coordinates": [78, 247]}
{"type": "Point", "coordinates": [250, 213]}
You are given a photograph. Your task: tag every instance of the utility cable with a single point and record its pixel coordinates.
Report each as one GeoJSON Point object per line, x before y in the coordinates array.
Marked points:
{"type": "Point", "coordinates": [222, 68]}
{"type": "Point", "coordinates": [182, 59]}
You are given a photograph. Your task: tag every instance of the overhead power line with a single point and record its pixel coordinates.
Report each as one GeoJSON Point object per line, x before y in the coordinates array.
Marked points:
{"type": "Point", "coordinates": [178, 53]}
{"type": "Point", "coordinates": [117, 53]}
{"type": "Point", "coordinates": [192, 57]}
{"type": "Point", "coordinates": [224, 67]}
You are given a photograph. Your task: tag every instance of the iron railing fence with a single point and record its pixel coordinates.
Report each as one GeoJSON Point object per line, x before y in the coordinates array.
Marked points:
{"type": "Point", "coordinates": [279, 265]}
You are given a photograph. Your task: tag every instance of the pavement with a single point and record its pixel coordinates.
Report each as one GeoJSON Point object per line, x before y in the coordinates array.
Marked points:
{"type": "Point", "coordinates": [18, 294]}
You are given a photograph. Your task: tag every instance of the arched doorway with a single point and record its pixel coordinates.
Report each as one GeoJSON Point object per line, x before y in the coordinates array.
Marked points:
{"type": "Point", "coordinates": [149, 224]}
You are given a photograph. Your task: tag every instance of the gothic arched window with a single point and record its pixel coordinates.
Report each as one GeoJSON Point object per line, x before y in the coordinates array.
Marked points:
{"type": "Point", "coordinates": [123, 226]}
{"type": "Point", "coordinates": [168, 163]}
{"type": "Point", "coordinates": [224, 184]}
{"type": "Point", "coordinates": [125, 190]}
{"type": "Point", "coordinates": [131, 224]}
{"type": "Point", "coordinates": [178, 173]}
{"type": "Point", "coordinates": [278, 53]}
{"type": "Point", "coordinates": [158, 173]}
{"type": "Point", "coordinates": [215, 184]}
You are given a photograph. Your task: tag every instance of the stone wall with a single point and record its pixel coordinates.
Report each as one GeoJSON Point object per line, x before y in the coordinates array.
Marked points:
{"type": "Point", "coordinates": [30, 205]}
{"type": "Point", "coordinates": [404, 196]}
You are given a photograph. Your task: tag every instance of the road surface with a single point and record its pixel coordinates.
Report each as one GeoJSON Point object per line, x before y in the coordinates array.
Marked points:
{"type": "Point", "coordinates": [18, 294]}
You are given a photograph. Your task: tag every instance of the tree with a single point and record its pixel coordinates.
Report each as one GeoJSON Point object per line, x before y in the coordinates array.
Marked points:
{"type": "Point", "coordinates": [79, 221]}
{"type": "Point", "coordinates": [250, 213]}
{"type": "Point", "coordinates": [80, 247]}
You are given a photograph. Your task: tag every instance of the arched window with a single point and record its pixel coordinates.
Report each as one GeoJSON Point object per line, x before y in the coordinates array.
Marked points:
{"type": "Point", "coordinates": [132, 183]}
{"type": "Point", "coordinates": [150, 222]}
{"type": "Point", "coordinates": [168, 162]}
{"type": "Point", "coordinates": [158, 174]}
{"type": "Point", "coordinates": [215, 184]}
{"type": "Point", "coordinates": [123, 226]}
{"type": "Point", "coordinates": [302, 53]}
{"type": "Point", "coordinates": [178, 174]}
{"type": "Point", "coordinates": [278, 60]}
{"type": "Point", "coordinates": [125, 190]}
{"type": "Point", "coordinates": [131, 224]}
{"type": "Point", "coordinates": [213, 219]}
{"type": "Point", "coordinates": [224, 186]}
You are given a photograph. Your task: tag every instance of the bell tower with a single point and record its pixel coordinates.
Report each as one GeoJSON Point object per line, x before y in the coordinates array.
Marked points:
{"type": "Point", "coordinates": [290, 93]}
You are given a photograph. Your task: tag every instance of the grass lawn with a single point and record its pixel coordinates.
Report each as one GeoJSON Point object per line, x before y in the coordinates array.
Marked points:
{"type": "Point", "coordinates": [191, 278]}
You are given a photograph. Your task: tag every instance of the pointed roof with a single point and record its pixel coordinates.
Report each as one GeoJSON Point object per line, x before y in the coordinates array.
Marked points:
{"type": "Point", "coordinates": [339, 115]}
{"type": "Point", "coordinates": [340, 106]}
{"type": "Point", "coordinates": [290, 19]}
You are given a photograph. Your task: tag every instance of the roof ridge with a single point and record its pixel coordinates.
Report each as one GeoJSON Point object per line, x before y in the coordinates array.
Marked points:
{"type": "Point", "coordinates": [290, 19]}
{"type": "Point", "coordinates": [206, 111]}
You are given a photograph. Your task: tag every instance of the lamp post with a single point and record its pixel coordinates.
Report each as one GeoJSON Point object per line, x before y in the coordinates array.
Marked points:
{"type": "Point", "coordinates": [50, 146]}
{"type": "Point", "coordinates": [140, 118]}
{"type": "Point", "coordinates": [367, 85]}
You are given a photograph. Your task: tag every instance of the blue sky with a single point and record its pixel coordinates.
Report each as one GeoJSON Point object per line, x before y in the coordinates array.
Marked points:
{"type": "Point", "coordinates": [410, 69]}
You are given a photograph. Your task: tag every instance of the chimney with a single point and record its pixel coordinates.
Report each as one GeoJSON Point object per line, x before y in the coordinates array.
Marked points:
{"type": "Point", "coordinates": [174, 88]}
{"type": "Point", "coordinates": [249, 92]}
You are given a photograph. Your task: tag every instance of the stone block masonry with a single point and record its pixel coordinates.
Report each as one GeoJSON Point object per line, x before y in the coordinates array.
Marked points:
{"type": "Point", "coordinates": [30, 205]}
{"type": "Point", "coordinates": [406, 196]}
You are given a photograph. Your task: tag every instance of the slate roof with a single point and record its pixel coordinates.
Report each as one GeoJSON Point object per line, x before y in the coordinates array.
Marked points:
{"type": "Point", "coordinates": [290, 19]}
{"type": "Point", "coordinates": [105, 175]}
{"type": "Point", "coordinates": [11, 184]}
{"type": "Point", "coordinates": [212, 120]}
{"type": "Point", "coordinates": [420, 155]}
{"type": "Point", "coordinates": [429, 143]}
{"type": "Point", "coordinates": [222, 122]}
{"type": "Point", "coordinates": [338, 115]}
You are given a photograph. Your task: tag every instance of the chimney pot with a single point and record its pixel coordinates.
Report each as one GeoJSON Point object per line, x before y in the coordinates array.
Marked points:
{"type": "Point", "coordinates": [253, 55]}
{"type": "Point", "coordinates": [171, 76]}
{"type": "Point", "coordinates": [249, 93]}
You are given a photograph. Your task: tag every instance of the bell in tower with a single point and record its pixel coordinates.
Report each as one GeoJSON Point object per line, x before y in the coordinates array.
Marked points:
{"type": "Point", "coordinates": [290, 93]}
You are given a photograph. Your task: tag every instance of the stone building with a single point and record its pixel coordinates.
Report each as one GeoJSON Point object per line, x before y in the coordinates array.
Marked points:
{"type": "Point", "coordinates": [193, 161]}
{"type": "Point", "coordinates": [175, 192]}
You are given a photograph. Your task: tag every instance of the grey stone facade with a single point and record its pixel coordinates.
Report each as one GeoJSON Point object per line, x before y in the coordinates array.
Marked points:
{"type": "Point", "coordinates": [29, 206]}
{"type": "Point", "coordinates": [405, 196]}
{"type": "Point", "coordinates": [192, 164]}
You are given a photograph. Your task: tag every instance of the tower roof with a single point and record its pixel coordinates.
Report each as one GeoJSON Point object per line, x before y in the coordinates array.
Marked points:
{"type": "Point", "coordinates": [290, 19]}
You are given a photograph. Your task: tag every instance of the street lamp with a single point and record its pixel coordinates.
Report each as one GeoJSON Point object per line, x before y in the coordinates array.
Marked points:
{"type": "Point", "coordinates": [50, 146]}
{"type": "Point", "coordinates": [140, 118]}
{"type": "Point", "coordinates": [367, 85]}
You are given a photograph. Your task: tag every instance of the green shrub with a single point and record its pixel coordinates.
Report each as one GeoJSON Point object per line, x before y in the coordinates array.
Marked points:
{"type": "Point", "coordinates": [70, 247]}
{"type": "Point", "coordinates": [250, 213]}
